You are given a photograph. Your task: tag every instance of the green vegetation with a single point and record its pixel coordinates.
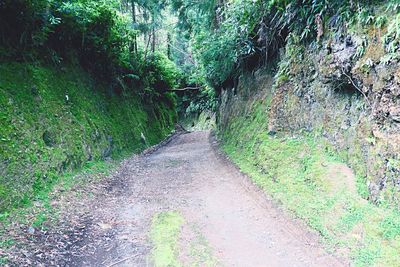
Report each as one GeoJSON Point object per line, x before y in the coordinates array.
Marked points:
{"type": "Point", "coordinates": [78, 84]}
{"type": "Point", "coordinates": [165, 232]}
{"type": "Point", "coordinates": [196, 109]}
{"type": "Point", "coordinates": [304, 176]}
{"type": "Point", "coordinates": [200, 252]}
{"type": "Point", "coordinates": [42, 212]}
{"type": "Point", "coordinates": [82, 81]}
{"type": "Point", "coordinates": [54, 121]}
{"type": "Point", "coordinates": [228, 37]}
{"type": "Point", "coordinates": [101, 35]}
{"type": "Point", "coordinates": [168, 247]}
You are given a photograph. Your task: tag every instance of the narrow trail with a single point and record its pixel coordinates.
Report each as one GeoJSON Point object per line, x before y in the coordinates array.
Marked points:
{"type": "Point", "coordinates": [239, 224]}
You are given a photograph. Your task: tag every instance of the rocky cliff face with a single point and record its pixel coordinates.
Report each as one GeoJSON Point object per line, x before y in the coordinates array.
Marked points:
{"type": "Point", "coordinates": [344, 90]}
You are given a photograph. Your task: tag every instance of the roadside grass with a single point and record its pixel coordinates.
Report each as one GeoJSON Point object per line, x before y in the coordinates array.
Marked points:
{"type": "Point", "coordinates": [58, 127]}
{"type": "Point", "coordinates": [295, 171]}
{"type": "Point", "coordinates": [165, 231]}
{"type": "Point", "coordinates": [200, 252]}
{"type": "Point", "coordinates": [179, 243]}
{"type": "Point", "coordinates": [60, 184]}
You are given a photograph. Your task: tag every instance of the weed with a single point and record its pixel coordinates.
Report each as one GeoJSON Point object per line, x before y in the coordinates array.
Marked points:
{"type": "Point", "coordinates": [40, 219]}
{"type": "Point", "coordinates": [390, 226]}
{"type": "Point", "coordinates": [3, 261]}
{"type": "Point", "coordinates": [200, 251]}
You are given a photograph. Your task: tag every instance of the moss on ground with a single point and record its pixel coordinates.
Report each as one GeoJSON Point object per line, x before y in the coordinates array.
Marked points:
{"type": "Point", "coordinates": [165, 231]}
{"type": "Point", "coordinates": [55, 121]}
{"type": "Point", "coordinates": [169, 249]}
{"type": "Point", "coordinates": [293, 170]}
{"type": "Point", "coordinates": [200, 252]}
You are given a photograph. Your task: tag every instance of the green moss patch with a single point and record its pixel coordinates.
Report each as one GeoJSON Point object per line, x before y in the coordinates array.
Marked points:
{"type": "Point", "coordinates": [55, 121]}
{"type": "Point", "coordinates": [165, 232]}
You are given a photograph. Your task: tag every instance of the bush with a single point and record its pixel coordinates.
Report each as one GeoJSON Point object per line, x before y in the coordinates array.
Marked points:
{"type": "Point", "coordinates": [93, 32]}
{"type": "Point", "coordinates": [24, 23]}
{"type": "Point", "coordinates": [93, 29]}
{"type": "Point", "coordinates": [159, 73]}
{"type": "Point", "coordinates": [235, 35]}
{"type": "Point", "coordinates": [205, 100]}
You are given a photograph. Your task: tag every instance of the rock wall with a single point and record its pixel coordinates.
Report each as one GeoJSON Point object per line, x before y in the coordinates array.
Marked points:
{"type": "Point", "coordinates": [344, 90]}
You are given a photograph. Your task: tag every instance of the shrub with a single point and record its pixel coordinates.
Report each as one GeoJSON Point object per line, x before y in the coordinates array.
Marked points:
{"type": "Point", "coordinates": [24, 23]}
{"type": "Point", "coordinates": [235, 35]}
{"type": "Point", "coordinates": [159, 73]}
{"type": "Point", "coordinates": [92, 31]}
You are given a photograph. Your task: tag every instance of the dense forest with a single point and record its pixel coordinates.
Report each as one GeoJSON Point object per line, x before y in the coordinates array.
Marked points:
{"type": "Point", "coordinates": [302, 95]}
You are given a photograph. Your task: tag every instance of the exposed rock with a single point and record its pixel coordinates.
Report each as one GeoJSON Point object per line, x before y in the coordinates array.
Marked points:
{"type": "Point", "coordinates": [48, 139]}
{"type": "Point", "coordinates": [35, 90]}
{"type": "Point", "coordinates": [348, 97]}
{"type": "Point", "coordinates": [395, 113]}
{"type": "Point", "coordinates": [108, 150]}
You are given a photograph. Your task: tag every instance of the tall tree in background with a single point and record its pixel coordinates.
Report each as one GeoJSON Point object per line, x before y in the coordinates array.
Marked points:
{"type": "Point", "coordinates": [134, 21]}
{"type": "Point", "coordinates": [146, 20]}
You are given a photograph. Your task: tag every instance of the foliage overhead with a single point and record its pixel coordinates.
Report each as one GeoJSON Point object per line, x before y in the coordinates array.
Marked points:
{"type": "Point", "coordinates": [211, 41]}
{"type": "Point", "coordinates": [230, 36]}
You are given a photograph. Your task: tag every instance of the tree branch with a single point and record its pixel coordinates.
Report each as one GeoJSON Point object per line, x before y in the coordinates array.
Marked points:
{"type": "Point", "coordinates": [188, 88]}
{"type": "Point", "coordinates": [356, 86]}
{"type": "Point", "coordinates": [189, 56]}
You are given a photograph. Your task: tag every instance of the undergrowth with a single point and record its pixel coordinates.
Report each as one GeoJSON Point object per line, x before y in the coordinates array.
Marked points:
{"type": "Point", "coordinates": [296, 171]}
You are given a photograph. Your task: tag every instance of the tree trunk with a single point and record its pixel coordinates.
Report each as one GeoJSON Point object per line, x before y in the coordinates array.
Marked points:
{"type": "Point", "coordinates": [135, 46]}
{"type": "Point", "coordinates": [153, 33]}
{"type": "Point", "coordinates": [169, 45]}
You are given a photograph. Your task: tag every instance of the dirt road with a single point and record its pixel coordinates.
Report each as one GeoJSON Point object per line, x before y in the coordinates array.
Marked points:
{"type": "Point", "coordinates": [236, 224]}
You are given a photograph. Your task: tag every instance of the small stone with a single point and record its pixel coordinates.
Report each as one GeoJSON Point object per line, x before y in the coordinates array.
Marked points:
{"type": "Point", "coordinates": [105, 226]}
{"type": "Point", "coordinates": [35, 90]}
{"type": "Point", "coordinates": [31, 230]}
{"type": "Point", "coordinates": [395, 113]}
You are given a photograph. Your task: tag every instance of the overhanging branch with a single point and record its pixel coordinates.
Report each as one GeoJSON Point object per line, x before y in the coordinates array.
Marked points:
{"type": "Point", "coordinates": [188, 88]}
{"type": "Point", "coordinates": [356, 86]}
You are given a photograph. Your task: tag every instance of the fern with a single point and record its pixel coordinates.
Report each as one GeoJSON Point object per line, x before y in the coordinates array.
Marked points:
{"type": "Point", "coordinates": [392, 37]}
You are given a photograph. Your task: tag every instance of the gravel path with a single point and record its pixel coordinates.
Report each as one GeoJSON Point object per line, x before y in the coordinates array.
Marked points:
{"type": "Point", "coordinates": [240, 225]}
